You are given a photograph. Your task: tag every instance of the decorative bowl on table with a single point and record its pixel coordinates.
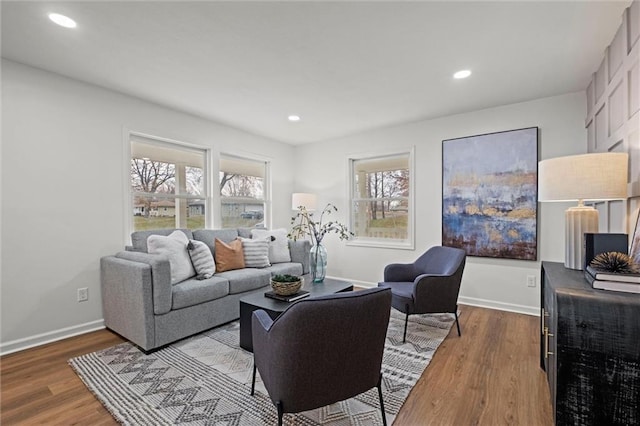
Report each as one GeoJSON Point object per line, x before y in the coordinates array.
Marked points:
{"type": "Point", "coordinates": [286, 285]}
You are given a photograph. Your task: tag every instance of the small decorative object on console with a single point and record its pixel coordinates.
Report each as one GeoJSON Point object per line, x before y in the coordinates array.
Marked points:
{"type": "Point", "coordinates": [286, 285]}
{"type": "Point", "coordinates": [613, 261]}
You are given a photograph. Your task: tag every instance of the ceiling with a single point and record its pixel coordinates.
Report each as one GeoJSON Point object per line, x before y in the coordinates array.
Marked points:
{"type": "Point", "coordinates": [344, 67]}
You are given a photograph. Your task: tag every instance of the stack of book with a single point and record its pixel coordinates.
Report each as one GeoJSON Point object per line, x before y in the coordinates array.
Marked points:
{"type": "Point", "coordinates": [291, 298]}
{"type": "Point", "coordinates": [629, 283]}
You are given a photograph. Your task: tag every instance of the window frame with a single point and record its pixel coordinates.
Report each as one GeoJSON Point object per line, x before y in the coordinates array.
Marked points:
{"type": "Point", "coordinates": [392, 243]}
{"type": "Point", "coordinates": [130, 137]}
{"type": "Point", "coordinates": [266, 187]}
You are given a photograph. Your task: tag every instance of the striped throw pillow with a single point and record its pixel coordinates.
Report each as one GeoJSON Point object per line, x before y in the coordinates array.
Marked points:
{"type": "Point", "coordinates": [256, 252]}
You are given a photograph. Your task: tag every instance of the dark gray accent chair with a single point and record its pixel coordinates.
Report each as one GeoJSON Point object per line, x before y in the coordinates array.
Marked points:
{"type": "Point", "coordinates": [429, 285]}
{"type": "Point", "coordinates": [322, 350]}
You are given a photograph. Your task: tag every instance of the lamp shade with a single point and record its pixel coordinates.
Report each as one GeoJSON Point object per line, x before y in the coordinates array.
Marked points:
{"type": "Point", "coordinates": [308, 201]}
{"type": "Point", "coordinates": [598, 176]}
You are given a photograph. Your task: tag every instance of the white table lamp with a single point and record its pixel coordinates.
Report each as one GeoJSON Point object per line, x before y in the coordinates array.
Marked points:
{"type": "Point", "coordinates": [308, 201]}
{"type": "Point", "coordinates": [587, 177]}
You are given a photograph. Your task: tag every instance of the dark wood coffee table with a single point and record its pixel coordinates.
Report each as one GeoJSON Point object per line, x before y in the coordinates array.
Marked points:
{"type": "Point", "coordinates": [273, 307]}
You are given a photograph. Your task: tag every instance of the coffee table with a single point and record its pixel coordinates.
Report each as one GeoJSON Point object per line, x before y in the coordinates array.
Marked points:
{"type": "Point", "coordinates": [274, 308]}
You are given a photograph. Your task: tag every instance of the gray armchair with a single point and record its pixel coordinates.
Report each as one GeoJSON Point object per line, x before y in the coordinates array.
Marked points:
{"type": "Point", "coordinates": [322, 350]}
{"type": "Point", "coordinates": [429, 285]}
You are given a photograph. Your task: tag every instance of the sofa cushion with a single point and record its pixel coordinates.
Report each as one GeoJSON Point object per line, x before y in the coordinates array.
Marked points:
{"type": "Point", "coordinates": [202, 259]}
{"type": "Point", "coordinates": [193, 292]}
{"type": "Point", "coordinates": [174, 247]}
{"type": "Point", "coordinates": [241, 280]}
{"type": "Point", "coordinates": [229, 256]}
{"type": "Point", "coordinates": [285, 268]}
{"type": "Point", "coordinates": [279, 245]}
{"type": "Point", "coordinates": [139, 238]}
{"type": "Point", "coordinates": [208, 236]}
{"type": "Point", "coordinates": [256, 252]}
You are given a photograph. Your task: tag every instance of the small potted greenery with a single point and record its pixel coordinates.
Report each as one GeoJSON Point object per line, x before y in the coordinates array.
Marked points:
{"type": "Point", "coordinates": [285, 284]}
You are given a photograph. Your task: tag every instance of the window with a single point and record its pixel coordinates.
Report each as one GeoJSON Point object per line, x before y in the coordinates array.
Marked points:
{"type": "Point", "coordinates": [243, 195]}
{"type": "Point", "coordinates": [381, 201]}
{"type": "Point", "coordinates": [168, 185]}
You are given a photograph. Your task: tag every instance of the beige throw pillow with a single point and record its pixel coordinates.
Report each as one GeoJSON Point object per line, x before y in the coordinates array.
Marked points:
{"type": "Point", "coordinates": [228, 256]}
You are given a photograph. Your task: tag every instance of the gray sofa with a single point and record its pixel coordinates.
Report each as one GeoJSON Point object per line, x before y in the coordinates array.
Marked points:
{"type": "Point", "coordinates": [140, 304]}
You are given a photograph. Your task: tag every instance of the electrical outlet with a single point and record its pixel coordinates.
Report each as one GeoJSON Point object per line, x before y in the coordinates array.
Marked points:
{"type": "Point", "coordinates": [83, 294]}
{"type": "Point", "coordinates": [531, 280]}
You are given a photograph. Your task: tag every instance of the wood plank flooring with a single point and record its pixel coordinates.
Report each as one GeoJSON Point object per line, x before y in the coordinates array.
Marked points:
{"type": "Point", "coordinates": [489, 376]}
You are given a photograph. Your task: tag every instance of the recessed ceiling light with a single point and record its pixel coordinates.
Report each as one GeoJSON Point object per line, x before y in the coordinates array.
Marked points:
{"type": "Point", "coordinates": [462, 74]}
{"type": "Point", "coordinates": [63, 21]}
{"type": "Point", "coordinates": [294, 118]}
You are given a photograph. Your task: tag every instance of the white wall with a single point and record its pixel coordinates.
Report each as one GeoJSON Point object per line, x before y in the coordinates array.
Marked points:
{"type": "Point", "coordinates": [63, 180]}
{"type": "Point", "coordinates": [63, 191]}
{"type": "Point", "coordinates": [613, 117]}
{"type": "Point", "coordinates": [322, 168]}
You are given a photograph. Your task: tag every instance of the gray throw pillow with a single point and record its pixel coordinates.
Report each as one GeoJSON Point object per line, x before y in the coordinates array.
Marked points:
{"type": "Point", "coordinates": [174, 247]}
{"type": "Point", "coordinates": [202, 259]}
{"type": "Point", "coordinates": [256, 252]}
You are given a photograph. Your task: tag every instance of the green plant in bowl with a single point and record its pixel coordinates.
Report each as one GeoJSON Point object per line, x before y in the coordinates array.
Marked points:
{"type": "Point", "coordinates": [285, 284]}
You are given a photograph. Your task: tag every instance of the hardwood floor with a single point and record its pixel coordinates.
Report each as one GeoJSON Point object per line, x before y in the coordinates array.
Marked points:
{"type": "Point", "coordinates": [489, 376]}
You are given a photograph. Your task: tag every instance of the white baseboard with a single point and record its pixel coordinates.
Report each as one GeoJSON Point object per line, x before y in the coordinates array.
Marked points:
{"type": "Point", "coordinates": [49, 337]}
{"type": "Point", "coordinates": [472, 301]}
{"type": "Point", "coordinates": [500, 306]}
{"type": "Point", "coordinates": [356, 283]}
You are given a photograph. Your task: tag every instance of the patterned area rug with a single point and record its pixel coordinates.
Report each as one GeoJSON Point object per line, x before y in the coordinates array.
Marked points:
{"type": "Point", "coordinates": [206, 380]}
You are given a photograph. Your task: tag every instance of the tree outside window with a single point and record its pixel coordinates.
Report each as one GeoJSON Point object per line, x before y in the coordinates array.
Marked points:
{"type": "Point", "coordinates": [167, 185]}
{"type": "Point", "coordinates": [381, 202]}
{"type": "Point", "coordinates": [242, 192]}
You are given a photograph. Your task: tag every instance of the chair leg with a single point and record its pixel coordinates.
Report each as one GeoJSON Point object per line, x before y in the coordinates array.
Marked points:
{"type": "Point", "coordinates": [384, 415]}
{"type": "Point", "coordinates": [280, 412]}
{"type": "Point", "coordinates": [253, 382]}
{"type": "Point", "coordinates": [406, 321]}
{"type": "Point", "coordinates": [457, 322]}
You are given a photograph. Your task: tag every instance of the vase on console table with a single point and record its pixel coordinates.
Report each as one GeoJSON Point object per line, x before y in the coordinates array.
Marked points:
{"type": "Point", "coordinates": [318, 262]}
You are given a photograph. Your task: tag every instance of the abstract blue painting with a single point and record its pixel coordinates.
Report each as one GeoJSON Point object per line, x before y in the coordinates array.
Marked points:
{"type": "Point", "coordinates": [490, 194]}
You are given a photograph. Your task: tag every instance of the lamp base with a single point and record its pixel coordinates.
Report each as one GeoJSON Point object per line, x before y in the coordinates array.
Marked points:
{"type": "Point", "coordinates": [578, 221]}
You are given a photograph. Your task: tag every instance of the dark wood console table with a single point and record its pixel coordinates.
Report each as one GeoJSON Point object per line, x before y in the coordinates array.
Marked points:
{"type": "Point", "coordinates": [590, 349]}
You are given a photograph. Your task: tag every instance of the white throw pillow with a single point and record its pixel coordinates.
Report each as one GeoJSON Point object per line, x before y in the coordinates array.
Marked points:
{"type": "Point", "coordinates": [256, 252]}
{"type": "Point", "coordinates": [202, 259]}
{"type": "Point", "coordinates": [174, 246]}
{"type": "Point", "coordinates": [278, 246]}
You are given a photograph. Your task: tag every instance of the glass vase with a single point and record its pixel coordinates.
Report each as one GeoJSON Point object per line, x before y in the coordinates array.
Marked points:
{"type": "Point", "coordinates": [318, 263]}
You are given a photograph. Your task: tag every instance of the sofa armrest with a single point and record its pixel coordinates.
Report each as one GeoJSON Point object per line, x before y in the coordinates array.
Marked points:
{"type": "Point", "coordinates": [160, 278]}
{"type": "Point", "coordinates": [300, 253]}
{"type": "Point", "coordinates": [127, 300]}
